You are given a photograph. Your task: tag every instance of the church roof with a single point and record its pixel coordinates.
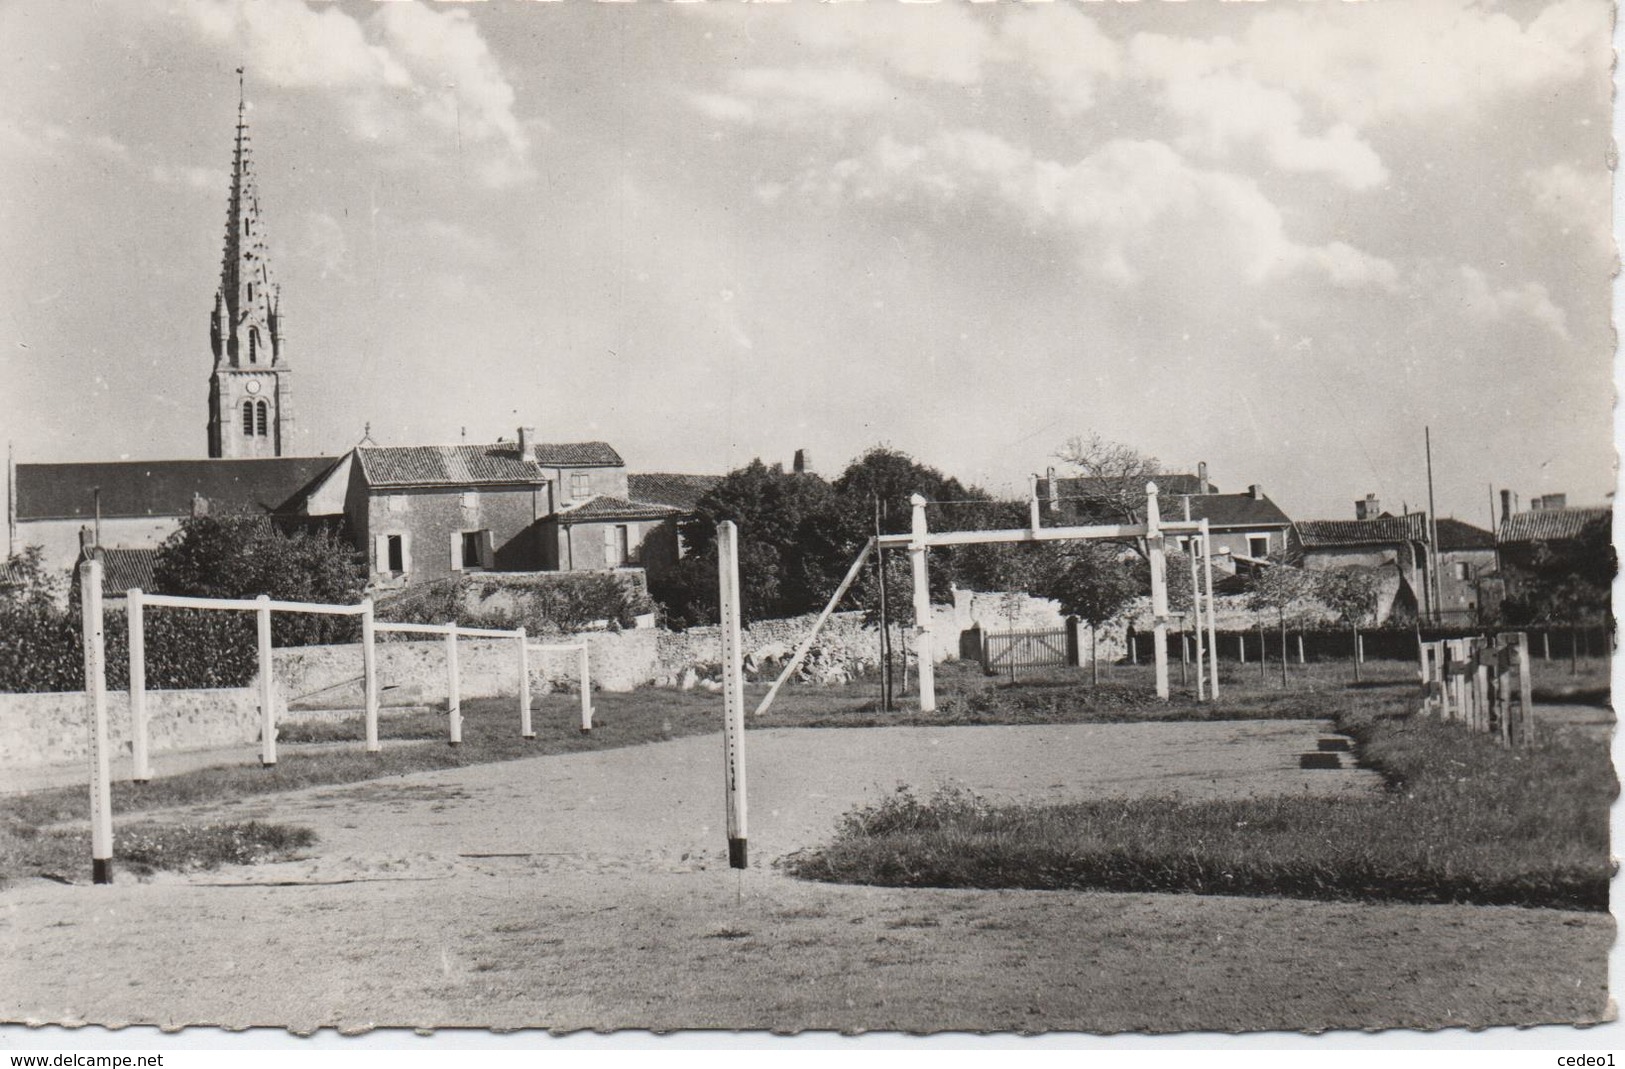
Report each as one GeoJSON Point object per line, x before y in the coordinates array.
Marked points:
{"type": "Point", "coordinates": [134, 488]}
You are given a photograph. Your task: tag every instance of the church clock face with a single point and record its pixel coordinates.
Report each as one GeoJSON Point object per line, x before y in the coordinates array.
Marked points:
{"type": "Point", "coordinates": [253, 386]}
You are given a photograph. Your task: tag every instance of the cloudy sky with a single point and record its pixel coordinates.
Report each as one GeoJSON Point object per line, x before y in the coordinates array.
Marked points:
{"type": "Point", "coordinates": [1281, 237]}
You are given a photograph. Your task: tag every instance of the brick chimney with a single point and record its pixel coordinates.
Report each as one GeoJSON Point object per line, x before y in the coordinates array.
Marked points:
{"type": "Point", "coordinates": [1369, 509]}
{"type": "Point", "coordinates": [801, 465]}
{"type": "Point", "coordinates": [1201, 477]}
{"type": "Point", "coordinates": [1549, 502]}
{"type": "Point", "coordinates": [1255, 492]}
{"type": "Point", "coordinates": [87, 539]}
{"type": "Point", "coordinates": [1506, 504]}
{"type": "Point", "coordinates": [527, 441]}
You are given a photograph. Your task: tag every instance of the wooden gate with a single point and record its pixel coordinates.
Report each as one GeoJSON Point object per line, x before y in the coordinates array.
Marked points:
{"type": "Point", "coordinates": [1481, 682]}
{"type": "Point", "coordinates": [1008, 651]}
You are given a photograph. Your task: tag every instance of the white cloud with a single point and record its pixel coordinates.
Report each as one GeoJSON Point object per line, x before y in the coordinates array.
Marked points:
{"type": "Point", "coordinates": [1575, 200]}
{"type": "Point", "coordinates": [791, 96]}
{"type": "Point", "coordinates": [1134, 209]}
{"type": "Point", "coordinates": [1068, 51]}
{"type": "Point", "coordinates": [409, 76]}
{"type": "Point", "coordinates": [1478, 298]}
{"type": "Point", "coordinates": [1220, 111]}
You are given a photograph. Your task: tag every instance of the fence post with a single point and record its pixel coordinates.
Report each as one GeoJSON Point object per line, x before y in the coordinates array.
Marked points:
{"type": "Point", "coordinates": [1074, 652]}
{"type": "Point", "coordinates": [369, 674]}
{"type": "Point", "coordinates": [525, 730]}
{"type": "Point", "coordinates": [586, 691]}
{"type": "Point", "coordinates": [262, 619]}
{"type": "Point", "coordinates": [95, 649]}
{"type": "Point", "coordinates": [1159, 589]}
{"type": "Point", "coordinates": [1526, 697]}
{"type": "Point", "coordinates": [924, 649]}
{"type": "Point", "coordinates": [1241, 647]}
{"type": "Point", "coordinates": [454, 694]}
{"type": "Point", "coordinates": [136, 619]}
{"type": "Point", "coordinates": [1212, 626]}
{"type": "Point", "coordinates": [1300, 648]}
{"type": "Point", "coordinates": [733, 678]}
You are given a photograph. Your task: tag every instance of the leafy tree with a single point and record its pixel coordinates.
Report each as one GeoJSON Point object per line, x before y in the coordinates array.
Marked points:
{"type": "Point", "coordinates": [243, 556]}
{"type": "Point", "coordinates": [40, 650]}
{"type": "Point", "coordinates": [1351, 593]}
{"type": "Point", "coordinates": [1566, 582]}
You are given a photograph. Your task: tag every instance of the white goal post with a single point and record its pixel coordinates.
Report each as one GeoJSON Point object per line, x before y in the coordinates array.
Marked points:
{"type": "Point", "coordinates": [1153, 531]}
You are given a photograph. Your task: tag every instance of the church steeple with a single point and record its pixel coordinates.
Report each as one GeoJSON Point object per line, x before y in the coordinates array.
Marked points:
{"type": "Point", "coordinates": [249, 410]}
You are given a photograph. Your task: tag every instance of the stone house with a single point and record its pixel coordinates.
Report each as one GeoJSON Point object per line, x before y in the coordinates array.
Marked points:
{"type": "Point", "coordinates": [1375, 540]}
{"type": "Point", "coordinates": [1470, 586]}
{"type": "Point", "coordinates": [1529, 543]}
{"type": "Point", "coordinates": [1243, 527]}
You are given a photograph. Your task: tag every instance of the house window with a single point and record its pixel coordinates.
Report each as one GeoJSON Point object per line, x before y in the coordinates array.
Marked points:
{"type": "Point", "coordinates": [580, 485]}
{"type": "Point", "coordinates": [1258, 546]}
{"type": "Point", "coordinates": [472, 542]}
{"type": "Point", "coordinates": [395, 552]}
{"type": "Point", "coordinates": [1460, 568]}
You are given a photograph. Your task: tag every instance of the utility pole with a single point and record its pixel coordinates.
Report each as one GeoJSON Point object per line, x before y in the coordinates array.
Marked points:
{"type": "Point", "coordinates": [1434, 589]}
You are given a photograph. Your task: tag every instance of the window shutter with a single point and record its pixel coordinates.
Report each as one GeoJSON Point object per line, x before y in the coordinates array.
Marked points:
{"type": "Point", "coordinates": [381, 548]}
{"type": "Point", "coordinates": [487, 549]}
{"type": "Point", "coordinates": [457, 551]}
{"type": "Point", "coordinates": [609, 547]}
{"type": "Point", "coordinates": [406, 554]}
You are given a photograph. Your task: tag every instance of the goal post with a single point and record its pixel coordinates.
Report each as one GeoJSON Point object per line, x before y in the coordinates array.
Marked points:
{"type": "Point", "coordinates": [733, 691]}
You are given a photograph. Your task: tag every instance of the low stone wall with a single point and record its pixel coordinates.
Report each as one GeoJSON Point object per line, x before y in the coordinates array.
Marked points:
{"type": "Point", "coordinates": [54, 728]}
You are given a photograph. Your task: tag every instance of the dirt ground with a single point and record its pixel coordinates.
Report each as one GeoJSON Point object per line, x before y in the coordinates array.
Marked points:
{"type": "Point", "coordinates": [590, 891]}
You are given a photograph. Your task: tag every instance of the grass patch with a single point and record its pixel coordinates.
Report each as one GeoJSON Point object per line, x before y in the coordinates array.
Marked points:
{"type": "Point", "coordinates": [1461, 820]}
{"type": "Point", "coordinates": [144, 848]}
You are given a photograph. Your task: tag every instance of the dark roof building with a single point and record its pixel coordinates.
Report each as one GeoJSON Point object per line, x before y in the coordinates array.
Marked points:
{"type": "Point", "coordinates": [138, 488]}
{"type": "Point", "coordinates": [605, 509]}
{"type": "Point", "coordinates": [1456, 535]}
{"type": "Point", "coordinates": [1551, 525]}
{"type": "Point", "coordinates": [446, 465]}
{"type": "Point", "coordinates": [1382, 530]}
{"type": "Point", "coordinates": [678, 491]}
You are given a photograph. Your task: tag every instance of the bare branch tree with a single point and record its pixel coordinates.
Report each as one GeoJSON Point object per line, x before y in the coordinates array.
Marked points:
{"type": "Point", "coordinates": [1109, 478]}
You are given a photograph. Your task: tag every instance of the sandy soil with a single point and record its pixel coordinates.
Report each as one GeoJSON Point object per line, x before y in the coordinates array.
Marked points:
{"type": "Point", "coordinates": [590, 891]}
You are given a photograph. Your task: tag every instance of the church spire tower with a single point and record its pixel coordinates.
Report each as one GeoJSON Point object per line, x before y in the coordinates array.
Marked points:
{"type": "Point", "coordinates": [250, 414]}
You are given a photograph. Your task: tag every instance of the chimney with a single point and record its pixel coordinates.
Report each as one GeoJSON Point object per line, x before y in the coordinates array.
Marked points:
{"type": "Point", "coordinates": [1369, 509]}
{"type": "Point", "coordinates": [801, 465]}
{"type": "Point", "coordinates": [527, 440]}
{"type": "Point", "coordinates": [87, 540]}
{"type": "Point", "coordinates": [1551, 501]}
{"type": "Point", "coordinates": [1506, 504]}
{"type": "Point", "coordinates": [200, 505]}
{"type": "Point", "coordinates": [1201, 477]}
{"type": "Point", "coordinates": [1255, 492]}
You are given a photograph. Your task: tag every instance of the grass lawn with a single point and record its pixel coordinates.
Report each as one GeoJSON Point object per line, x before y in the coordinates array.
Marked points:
{"type": "Point", "coordinates": [1462, 820]}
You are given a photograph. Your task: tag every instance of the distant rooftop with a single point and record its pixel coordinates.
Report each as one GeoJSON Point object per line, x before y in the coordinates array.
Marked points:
{"type": "Point", "coordinates": [664, 488]}
{"type": "Point", "coordinates": [1550, 525]}
{"type": "Point", "coordinates": [477, 465]}
{"type": "Point", "coordinates": [1383, 530]}
{"type": "Point", "coordinates": [132, 488]}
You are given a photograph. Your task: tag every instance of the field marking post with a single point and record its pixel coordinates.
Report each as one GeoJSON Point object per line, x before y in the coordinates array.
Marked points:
{"type": "Point", "coordinates": [262, 619]}
{"type": "Point", "coordinates": [733, 692]}
{"type": "Point", "coordinates": [101, 791]}
{"type": "Point", "coordinates": [525, 729]}
{"type": "Point", "coordinates": [924, 648]}
{"type": "Point", "coordinates": [454, 698]}
{"type": "Point", "coordinates": [586, 690]}
{"type": "Point", "coordinates": [1212, 624]}
{"type": "Point", "coordinates": [369, 674]}
{"type": "Point", "coordinates": [134, 614]}
{"type": "Point", "coordinates": [1159, 589]}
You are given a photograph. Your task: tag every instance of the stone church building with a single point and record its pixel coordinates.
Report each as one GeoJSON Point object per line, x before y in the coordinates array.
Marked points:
{"type": "Point", "coordinates": [417, 513]}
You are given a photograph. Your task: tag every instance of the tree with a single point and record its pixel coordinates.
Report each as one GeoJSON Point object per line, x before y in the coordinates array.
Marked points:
{"type": "Point", "coordinates": [1351, 593]}
{"type": "Point", "coordinates": [244, 556]}
{"type": "Point", "coordinates": [1566, 581]}
{"type": "Point", "coordinates": [1286, 590]}
{"type": "Point", "coordinates": [1110, 479]}
{"type": "Point", "coordinates": [41, 650]}
{"type": "Point", "coordinates": [1090, 580]}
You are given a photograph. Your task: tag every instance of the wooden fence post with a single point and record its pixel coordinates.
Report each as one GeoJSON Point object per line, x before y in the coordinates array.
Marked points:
{"type": "Point", "coordinates": [136, 618]}
{"type": "Point", "coordinates": [262, 618]}
{"type": "Point", "coordinates": [526, 731]}
{"type": "Point", "coordinates": [1526, 698]}
{"type": "Point", "coordinates": [454, 695]}
{"type": "Point", "coordinates": [733, 681]}
{"type": "Point", "coordinates": [95, 649]}
{"type": "Point", "coordinates": [369, 674]}
{"type": "Point", "coordinates": [924, 648]}
{"type": "Point", "coordinates": [583, 674]}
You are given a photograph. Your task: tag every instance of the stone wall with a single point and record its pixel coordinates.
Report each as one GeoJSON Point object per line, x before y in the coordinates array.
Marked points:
{"type": "Point", "coordinates": [48, 729]}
